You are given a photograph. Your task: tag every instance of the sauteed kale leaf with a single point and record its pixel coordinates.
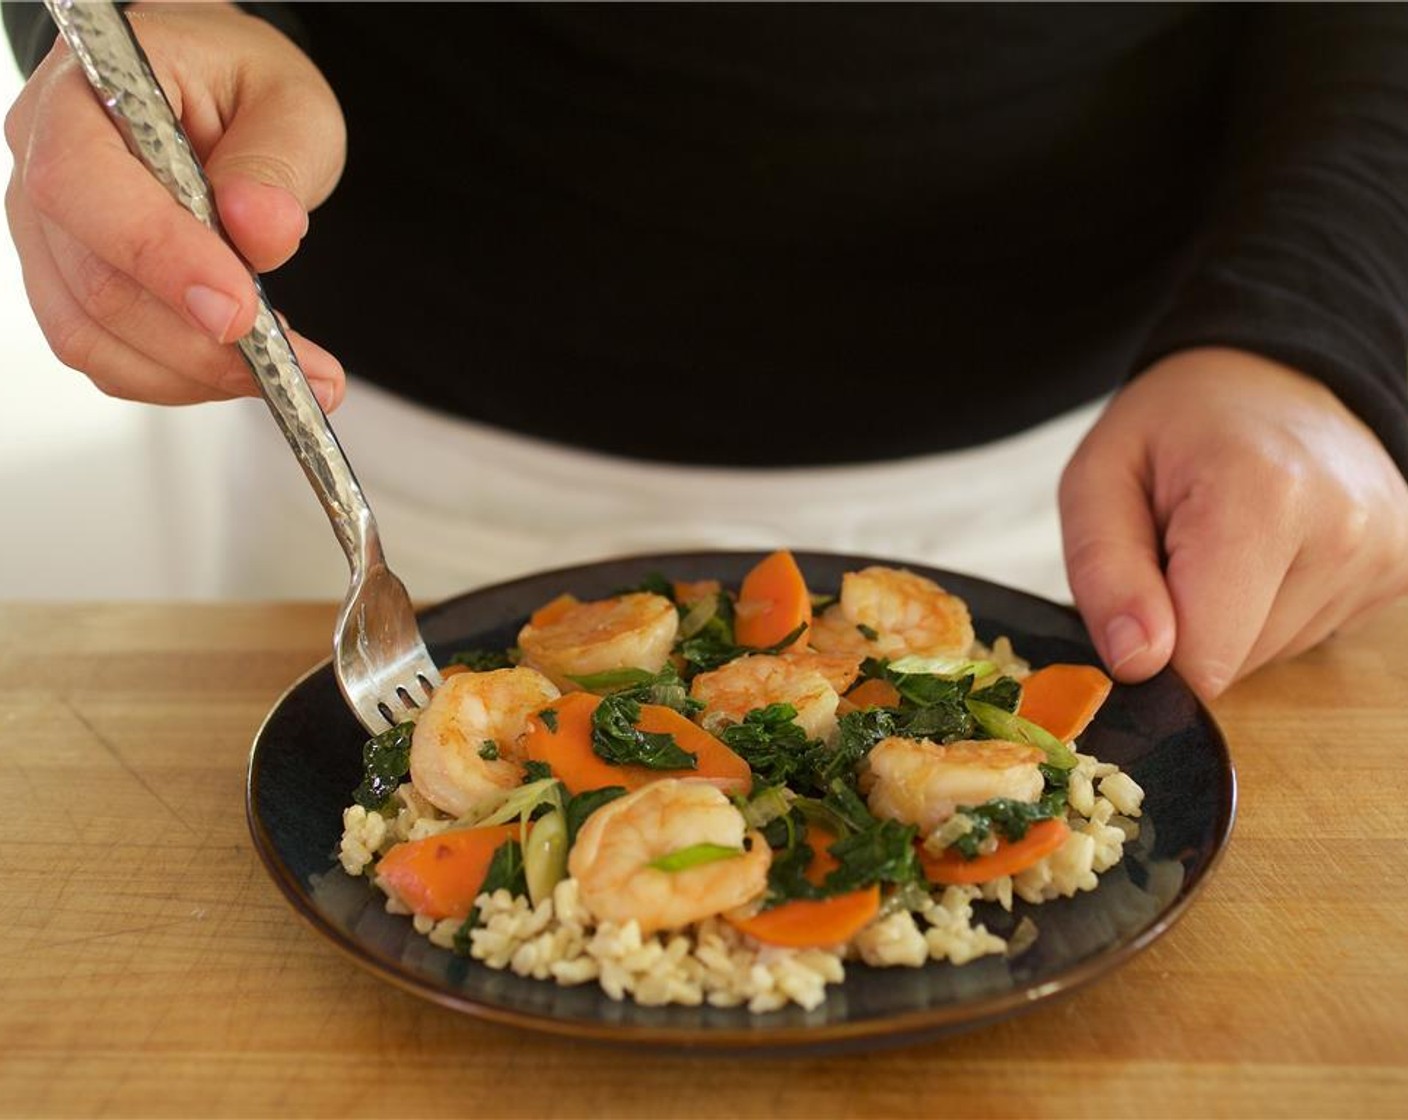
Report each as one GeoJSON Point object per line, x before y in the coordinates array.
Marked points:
{"type": "Point", "coordinates": [386, 759]}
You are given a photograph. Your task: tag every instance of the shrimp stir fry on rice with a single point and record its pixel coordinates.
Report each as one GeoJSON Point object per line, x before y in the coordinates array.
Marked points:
{"type": "Point", "coordinates": [721, 823]}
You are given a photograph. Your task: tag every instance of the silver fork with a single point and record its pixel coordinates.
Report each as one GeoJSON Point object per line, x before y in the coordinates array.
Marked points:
{"type": "Point", "coordinates": [379, 657]}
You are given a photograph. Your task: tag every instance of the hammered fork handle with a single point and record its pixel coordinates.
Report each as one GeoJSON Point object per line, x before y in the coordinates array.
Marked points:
{"type": "Point", "coordinates": [101, 40]}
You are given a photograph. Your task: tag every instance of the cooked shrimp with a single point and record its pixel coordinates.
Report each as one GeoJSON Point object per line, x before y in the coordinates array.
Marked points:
{"type": "Point", "coordinates": [905, 613]}
{"type": "Point", "coordinates": [731, 692]}
{"type": "Point", "coordinates": [614, 849]}
{"type": "Point", "coordinates": [634, 631]}
{"type": "Point", "coordinates": [840, 669]}
{"type": "Point", "coordinates": [922, 783]}
{"type": "Point", "coordinates": [469, 710]}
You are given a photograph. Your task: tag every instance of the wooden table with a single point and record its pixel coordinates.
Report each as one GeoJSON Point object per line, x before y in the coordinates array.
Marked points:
{"type": "Point", "coordinates": [148, 967]}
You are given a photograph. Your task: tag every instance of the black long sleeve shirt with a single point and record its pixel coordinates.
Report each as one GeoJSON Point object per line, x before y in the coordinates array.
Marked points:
{"type": "Point", "coordinates": [781, 235]}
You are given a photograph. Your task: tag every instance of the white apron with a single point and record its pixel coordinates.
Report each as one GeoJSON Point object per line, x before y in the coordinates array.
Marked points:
{"type": "Point", "coordinates": [461, 505]}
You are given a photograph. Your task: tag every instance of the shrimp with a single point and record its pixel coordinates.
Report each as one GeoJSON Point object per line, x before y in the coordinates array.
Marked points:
{"type": "Point", "coordinates": [731, 692]}
{"type": "Point", "coordinates": [468, 711]}
{"type": "Point", "coordinates": [615, 847]}
{"type": "Point", "coordinates": [922, 783]}
{"type": "Point", "coordinates": [890, 612]}
{"type": "Point", "coordinates": [634, 631]}
{"type": "Point", "coordinates": [840, 669]}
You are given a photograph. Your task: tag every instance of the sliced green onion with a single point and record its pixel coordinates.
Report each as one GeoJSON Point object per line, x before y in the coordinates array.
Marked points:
{"type": "Point", "coordinates": [949, 667]}
{"type": "Point", "coordinates": [1015, 729]}
{"type": "Point", "coordinates": [521, 802]}
{"type": "Point", "coordinates": [545, 855]}
{"type": "Point", "coordinates": [699, 616]}
{"type": "Point", "coordinates": [815, 811]}
{"type": "Point", "coordinates": [696, 855]}
{"type": "Point", "coordinates": [765, 806]}
{"type": "Point", "coordinates": [613, 679]}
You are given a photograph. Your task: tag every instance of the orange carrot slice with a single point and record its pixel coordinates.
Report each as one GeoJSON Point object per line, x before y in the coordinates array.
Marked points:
{"type": "Point", "coordinates": [807, 923]}
{"type": "Point", "coordinates": [440, 876]}
{"type": "Point", "coordinates": [950, 868]}
{"type": "Point", "coordinates": [1063, 699]}
{"type": "Point", "coordinates": [772, 602]}
{"type": "Point", "coordinates": [553, 610]}
{"type": "Point", "coordinates": [567, 748]}
{"type": "Point", "coordinates": [874, 694]}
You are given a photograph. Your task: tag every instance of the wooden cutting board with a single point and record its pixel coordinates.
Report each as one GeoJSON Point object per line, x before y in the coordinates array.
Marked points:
{"type": "Point", "coordinates": [149, 968]}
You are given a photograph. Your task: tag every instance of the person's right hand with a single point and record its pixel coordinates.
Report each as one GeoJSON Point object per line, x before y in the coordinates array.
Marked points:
{"type": "Point", "coordinates": [128, 287]}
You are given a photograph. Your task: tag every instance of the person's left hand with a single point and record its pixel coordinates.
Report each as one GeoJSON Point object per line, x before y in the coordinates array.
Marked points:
{"type": "Point", "coordinates": [1224, 511]}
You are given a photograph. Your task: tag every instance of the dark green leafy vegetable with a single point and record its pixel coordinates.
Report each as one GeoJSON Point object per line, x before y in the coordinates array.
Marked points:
{"type": "Point", "coordinates": [489, 750]}
{"type": "Point", "coordinates": [925, 690]}
{"type": "Point", "coordinates": [882, 853]}
{"type": "Point", "coordinates": [708, 644]}
{"type": "Point", "coordinates": [535, 771]}
{"type": "Point", "coordinates": [617, 739]}
{"type": "Point", "coordinates": [482, 660]}
{"type": "Point", "coordinates": [664, 688]}
{"type": "Point", "coordinates": [386, 759]}
{"type": "Point", "coordinates": [714, 645]}
{"type": "Point", "coordinates": [549, 718]}
{"type": "Point", "coordinates": [869, 633]}
{"type": "Point", "coordinates": [770, 741]}
{"type": "Point", "coordinates": [944, 721]}
{"type": "Point", "coordinates": [778, 831]}
{"type": "Point", "coordinates": [839, 809]}
{"type": "Point", "coordinates": [763, 805]}
{"type": "Point", "coordinates": [1056, 779]}
{"type": "Point", "coordinates": [857, 732]}
{"type": "Point", "coordinates": [787, 874]}
{"type": "Point", "coordinates": [843, 800]}
{"type": "Point", "coordinates": [877, 852]}
{"type": "Point", "coordinates": [582, 805]}
{"type": "Point", "coordinates": [932, 706]}
{"type": "Point", "coordinates": [1007, 817]}
{"type": "Point", "coordinates": [1004, 693]}
{"type": "Point", "coordinates": [505, 873]}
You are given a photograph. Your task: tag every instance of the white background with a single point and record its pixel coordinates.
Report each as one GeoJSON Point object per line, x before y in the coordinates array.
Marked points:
{"type": "Point", "coordinates": [99, 498]}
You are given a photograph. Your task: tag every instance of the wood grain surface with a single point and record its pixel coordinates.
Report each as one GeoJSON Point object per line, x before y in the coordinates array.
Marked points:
{"type": "Point", "coordinates": [148, 967]}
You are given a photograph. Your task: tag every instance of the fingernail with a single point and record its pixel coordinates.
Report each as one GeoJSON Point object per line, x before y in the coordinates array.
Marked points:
{"type": "Point", "coordinates": [1125, 640]}
{"type": "Point", "coordinates": [213, 310]}
{"type": "Point", "coordinates": [326, 392]}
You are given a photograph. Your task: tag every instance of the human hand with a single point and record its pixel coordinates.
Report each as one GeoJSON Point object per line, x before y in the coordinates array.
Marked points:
{"type": "Point", "coordinates": [1224, 511]}
{"type": "Point", "coordinates": [127, 286]}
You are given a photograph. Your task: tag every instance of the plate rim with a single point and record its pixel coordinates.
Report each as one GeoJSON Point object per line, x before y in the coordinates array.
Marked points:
{"type": "Point", "coordinates": [900, 1027]}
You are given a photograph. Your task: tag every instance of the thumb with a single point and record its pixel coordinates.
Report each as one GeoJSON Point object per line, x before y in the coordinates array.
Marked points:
{"type": "Point", "coordinates": [1112, 558]}
{"type": "Point", "coordinates": [281, 156]}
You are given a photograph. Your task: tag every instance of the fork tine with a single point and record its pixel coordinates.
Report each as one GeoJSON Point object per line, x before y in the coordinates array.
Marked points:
{"type": "Point", "coordinates": [381, 662]}
{"type": "Point", "coordinates": [404, 700]}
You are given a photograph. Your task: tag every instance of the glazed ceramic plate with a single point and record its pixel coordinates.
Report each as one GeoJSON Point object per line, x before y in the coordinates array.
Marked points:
{"type": "Point", "coordinates": [307, 759]}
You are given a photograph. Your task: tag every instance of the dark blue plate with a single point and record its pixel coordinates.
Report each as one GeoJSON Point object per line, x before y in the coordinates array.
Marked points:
{"type": "Point", "coordinates": [307, 758]}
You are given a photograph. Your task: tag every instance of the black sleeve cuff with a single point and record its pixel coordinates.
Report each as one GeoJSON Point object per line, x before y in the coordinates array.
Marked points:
{"type": "Point", "coordinates": [30, 30]}
{"type": "Point", "coordinates": [1222, 309]}
{"type": "Point", "coordinates": [1307, 260]}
